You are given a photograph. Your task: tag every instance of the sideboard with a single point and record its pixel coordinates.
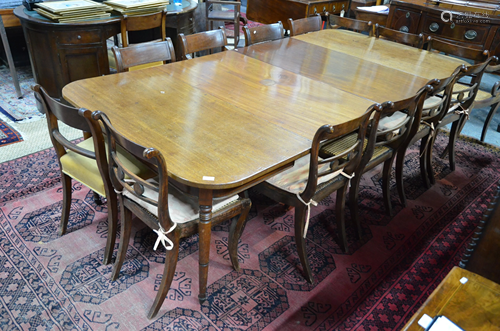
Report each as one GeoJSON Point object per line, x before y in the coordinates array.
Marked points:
{"type": "Point", "coordinates": [466, 26]}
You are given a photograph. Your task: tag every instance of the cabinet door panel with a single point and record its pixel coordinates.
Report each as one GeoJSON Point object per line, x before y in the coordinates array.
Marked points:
{"type": "Point", "coordinates": [83, 62]}
{"type": "Point", "coordinates": [405, 20]}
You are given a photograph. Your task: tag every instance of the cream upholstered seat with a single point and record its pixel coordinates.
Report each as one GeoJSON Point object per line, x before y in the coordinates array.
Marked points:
{"type": "Point", "coordinates": [170, 213]}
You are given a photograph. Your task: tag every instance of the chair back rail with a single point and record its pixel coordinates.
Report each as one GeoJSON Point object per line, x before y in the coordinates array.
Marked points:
{"type": "Point", "coordinates": [453, 49]}
{"type": "Point", "coordinates": [208, 40]}
{"type": "Point", "coordinates": [136, 185]}
{"type": "Point", "coordinates": [263, 33]}
{"type": "Point", "coordinates": [347, 159]}
{"type": "Point", "coordinates": [409, 39]}
{"type": "Point", "coordinates": [351, 24]}
{"type": "Point", "coordinates": [143, 53]}
{"type": "Point", "coordinates": [143, 22]}
{"type": "Point", "coordinates": [305, 25]}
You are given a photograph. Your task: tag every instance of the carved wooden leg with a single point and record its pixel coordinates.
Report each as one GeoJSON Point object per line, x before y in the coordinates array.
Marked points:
{"type": "Point", "coordinates": [340, 211]}
{"type": "Point", "coordinates": [386, 184]}
{"type": "Point", "coordinates": [455, 126]}
{"type": "Point", "coordinates": [487, 121]}
{"type": "Point", "coordinates": [205, 228]}
{"type": "Point", "coordinates": [353, 203]}
{"type": "Point", "coordinates": [66, 184]}
{"type": "Point", "coordinates": [168, 275]}
{"type": "Point", "coordinates": [126, 220]}
{"type": "Point", "coordinates": [423, 160]}
{"type": "Point", "coordinates": [300, 241]}
{"type": "Point", "coordinates": [237, 227]}
{"type": "Point", "coordinates": [112, 225]}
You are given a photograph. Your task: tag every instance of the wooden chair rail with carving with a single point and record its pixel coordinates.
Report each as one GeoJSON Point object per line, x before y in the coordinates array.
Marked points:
{"type": "Point", "coordinates": [144, 53]}
{"type": "Point", "coordinates": [463, 98]}
{"type": "Point", "coordinates": [219, 14]}
{"type": "Point", "coordinates": [263, 33]}
{"type": "Point", "coordinates": [453, 49]}
{"type": "Point", "coordinates": [305, 25]}
{"type": "Point", "coordinates": [213, 40]}
{"type": "Point", "coordinates": [312, 179]}
{"type": "Point", "coordinates": [336, 22]}
{"type": "Point", "coordinates": [436, 102]}
{"type": "Point", "coordinates": [409, 39]}
{"type": "Point", "coordinates": [492, 101]}
{"type": "Point", "coordinates": [143, 22]}
{"type": "Point", "coordinates": [84, 161]}
{"type": "Point", "coordinates": [165, 209]}
{"type": "Point", "coordinates": [382, 146]}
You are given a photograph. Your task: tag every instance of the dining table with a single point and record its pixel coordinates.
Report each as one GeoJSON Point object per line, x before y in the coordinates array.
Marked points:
{"type": "Point", "coordinates": [228, 121]}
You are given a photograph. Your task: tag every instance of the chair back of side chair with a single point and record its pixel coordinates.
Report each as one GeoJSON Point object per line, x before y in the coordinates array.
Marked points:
{"type": "Point", "coordinates": [202, 41]}
{"type": "Point", "coordinates": [143, 22]}
{"type": "Point", "coordinates": [305, 25]}
{"type": "Point", "coordinates": [139, 54]}
{"type": "Point", "coordinates": [351, 24]}
{"type": "Point", "coordinates": [477, 55]}
{"type": "Point", "coordinates": [262, 33]}
{"type": "Point", "coordinates": [409, 39]}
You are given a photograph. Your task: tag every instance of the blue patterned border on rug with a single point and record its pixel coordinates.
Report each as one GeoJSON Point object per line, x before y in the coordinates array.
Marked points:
{"type": "Point", "coordinates": [8, 135]}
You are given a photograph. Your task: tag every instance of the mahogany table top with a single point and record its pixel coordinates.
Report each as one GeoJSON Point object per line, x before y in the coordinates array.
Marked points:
{"type": "Point", "coordinates": [238, 115]}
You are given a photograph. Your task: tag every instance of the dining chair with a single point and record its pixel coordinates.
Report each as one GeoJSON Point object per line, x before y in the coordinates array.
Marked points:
{"type": "Point", "coordinates": [336, 22]}
{"type": "Point", "coordinates": [458, 113]}
{"type": "Point", "coordinates": [477, 55]}
{"type": "Point", "coordinates": [263, 33]}
{"type": "Point", "coordinates": [213, 40]}
{"type": "Point", "coordinates": [226, 11]}
{"type": "Point", "coordinates": [491, 100]}
{"type": "Point", "coordinates": [436, 102]}
{"type": "Point", "coordinates": [312, 179]}
{"type": "Point", "coordinates": [409, 39]}
{"type": "Point", "coordinates": [133, 58]}
{"type": "Point", "coordinates": [170, 213]}
{"type": "Point", "coordinates": [305, 25]}
{"type": "Point", "coordinates": [382, 146]}
{"type": "Point", "coordinates": [84, 161]}
{"type": "Point", "coordinates": [141, 23]}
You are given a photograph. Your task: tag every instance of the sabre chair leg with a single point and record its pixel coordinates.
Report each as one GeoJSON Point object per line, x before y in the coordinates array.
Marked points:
{"type": "Point", "coordinates": [236, 31]}
{"type": "Point", "coordinates": [451, 144]}
{"type": "Point", "coordinates": [126, 221]}
{"type": "Point", "coordinates": [237, 227]}
{"type": "Point", "coordinates": [168, 276]}
{"type": "Point", "coordinates": [300, 217]}
{"type": "Point", "coordinates": [428, 157]}
{"type": "Point", "coordinates": [400, 160]}
{"type": "Point", "coordinates": [386, 184]}
{"type": "Point", "coordinates": [353, 204]}
{"type": "Point", "coordinates": [112, 225]}
{"type": "Point", "coordinates": [488, 119]}
{"type": "Point", "coordinates": [340, 210]}
{"type": "Point", "coordinates": [423, 161]}
{"type": "Point", "coordinates": [66, 207]}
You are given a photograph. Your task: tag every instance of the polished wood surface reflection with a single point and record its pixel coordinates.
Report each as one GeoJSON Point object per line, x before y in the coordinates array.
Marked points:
{"type": "Point", "coordinates": [219, 137]}
{"type": "Point", "coordinates": [473, 305]}
{"type": "Point", "coordinates": [385, 52]}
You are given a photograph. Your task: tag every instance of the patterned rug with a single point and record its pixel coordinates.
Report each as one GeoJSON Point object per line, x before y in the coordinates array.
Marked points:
{"type": "Point", "coordinates": [8, 135]}
{"type": "Point", "coordinates": [51, 282]}
{"type": "Point", "coordinates": [17, 109]}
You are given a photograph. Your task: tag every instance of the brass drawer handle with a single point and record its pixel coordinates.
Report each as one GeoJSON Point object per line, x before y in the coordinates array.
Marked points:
{"type": "Point", "coordinates": [470, 35]}
{"type": "Point", "coordinates": [404, 29]}
{"type": "Point", "coordinates": [452, 25]}
{"type": "Point", "coordinates": [407, 14]}
{"type": "Point", "coordinates": [434, 27]}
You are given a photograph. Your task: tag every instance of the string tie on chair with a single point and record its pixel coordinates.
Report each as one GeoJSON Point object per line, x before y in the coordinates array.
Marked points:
{"type": "Point", "coordinates": [430, 125]}
{"type": "Point", "coordinates": [308, 204]}
{"type": "Point", "coordinates": [347, 176]}
{"type": "Point", "coordinates": [463, 111]}
{"type": "Point", "coordinates": [162, 237]}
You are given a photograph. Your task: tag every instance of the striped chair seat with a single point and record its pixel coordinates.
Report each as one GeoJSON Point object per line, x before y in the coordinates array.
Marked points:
{"type": "Point", "coordinates": [339, 145]}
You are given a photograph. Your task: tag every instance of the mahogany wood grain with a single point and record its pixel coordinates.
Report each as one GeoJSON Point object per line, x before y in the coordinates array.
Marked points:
{"type": "Point", "coordinates": [340, 70]}
{"type": "Point", "coordinates": [384, 52]}
{"type": "Point", "coordinates": [143, 22]}
{"type": "Point", "coordinates": [9, 19]}
{"type": "Point", "coordinates": [472, 306]}
{"type": "Point", "coordinates": [305, 25]}
{"type": "Point", "coordinates": [213, 40]}
{"type": "Point", "coordinates": [263, 33]}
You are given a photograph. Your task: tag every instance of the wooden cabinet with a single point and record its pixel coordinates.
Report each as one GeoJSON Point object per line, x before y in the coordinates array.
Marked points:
{"type": "Point", "coordinates": [469, 27]}
{"type": "Point", "coordinates": [272, 11]}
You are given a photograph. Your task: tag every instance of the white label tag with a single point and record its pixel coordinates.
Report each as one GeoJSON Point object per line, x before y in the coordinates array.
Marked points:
{"type": "Point", "coordinates": [342, 13]}
{"type": "Point", "coordinates": [463, 280]}
{"type": "Point", "coordinates": [210, 178]}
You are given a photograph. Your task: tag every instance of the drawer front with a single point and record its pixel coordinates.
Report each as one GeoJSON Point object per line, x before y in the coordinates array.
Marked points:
{"type": "Point", "coordinates": [79, 37]}
{"type": "Point", "coordinates": [464, 32]}
{"type": "Point", "coordinates": [405, 20]}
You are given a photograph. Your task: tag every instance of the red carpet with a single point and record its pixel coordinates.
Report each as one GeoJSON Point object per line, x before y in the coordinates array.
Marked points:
{"type": "Point", "coordinates": [52, 282]}
{"type": "Point", "coordinates": [230, 27]}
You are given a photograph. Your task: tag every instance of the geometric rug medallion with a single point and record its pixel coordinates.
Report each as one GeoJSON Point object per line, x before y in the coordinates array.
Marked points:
{"type": "Point", "coordinates": [8, 135]}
